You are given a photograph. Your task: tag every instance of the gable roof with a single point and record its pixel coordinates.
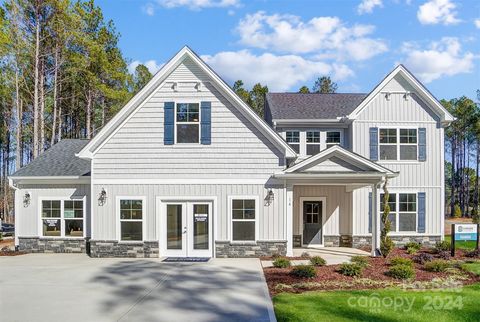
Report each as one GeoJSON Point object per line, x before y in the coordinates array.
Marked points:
{"type": "Point", "coordinates": [148, 90]}
{"type": "Point", "coordinates": [356, 161]}
{"type": "Point", "coordinates": [421, 90]}
{"type": "Point", "coordinates": [299, 106]}
{"type": "Point", "coordinates": [58, 161]}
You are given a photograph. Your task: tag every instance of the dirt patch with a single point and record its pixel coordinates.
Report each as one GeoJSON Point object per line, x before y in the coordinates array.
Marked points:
{"type": "Point", "coordinates": [373, 276]}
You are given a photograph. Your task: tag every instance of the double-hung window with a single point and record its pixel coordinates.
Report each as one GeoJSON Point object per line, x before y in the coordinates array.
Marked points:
{"type": "Point", "coordinates": [398, 144]}
{"type": "Point", "coordinates": [243, 219]}
{"type": "Point", "coordinates": [131, 215]}
{"type": "Point", "coordinates": [62, 218]}
{"type": "Point", "coordinates": [188, 123]}
{"type": "Point", "coordinates": [293, 139]}
{"type": "Point", "coordinates": [333, 138]}
{"type": "Point", "coordinates": [403, 211]}
{"type": "Point", "coordinates": [313, 142]}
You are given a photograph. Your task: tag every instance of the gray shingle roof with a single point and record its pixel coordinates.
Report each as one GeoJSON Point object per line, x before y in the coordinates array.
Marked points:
{"type": "Point", "coordinates": [59, 160]}
{"type": "Point", "coordinates": [312, 105]}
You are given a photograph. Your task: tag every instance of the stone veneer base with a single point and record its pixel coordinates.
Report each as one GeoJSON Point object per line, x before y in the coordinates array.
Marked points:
{"type": "Point", "coordinates": [429, 241]}
{"type": "Point", "coordinates": [226, 249]}
{"type": "Point", "coordinates": [113, 248]}
{"type": "Point", "coordinates": [51, 245]}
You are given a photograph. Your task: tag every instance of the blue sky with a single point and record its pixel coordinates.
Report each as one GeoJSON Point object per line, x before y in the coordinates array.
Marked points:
{"type": "Point", "coordinates": [287, 44]}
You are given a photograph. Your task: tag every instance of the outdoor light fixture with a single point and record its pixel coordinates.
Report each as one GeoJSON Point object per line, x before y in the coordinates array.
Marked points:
{"type": "Point", "coordinates": [406, 96]}
{"type": "Point", "coordinates": [387, 96]}
{"type": "Point", "coordinates": [102, 198]}
{"type": "Point", "coordinates": [269, 197]}
{"type": "Point", "coordinates": [26, 199]}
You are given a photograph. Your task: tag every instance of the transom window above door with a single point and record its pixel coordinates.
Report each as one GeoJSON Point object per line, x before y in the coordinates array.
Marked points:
{"type": "Point", "coordinates": [188, 123]}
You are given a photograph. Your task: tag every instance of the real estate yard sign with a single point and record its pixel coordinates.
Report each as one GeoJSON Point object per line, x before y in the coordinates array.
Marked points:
{"type": "Point", "coordinates": [464, 232]}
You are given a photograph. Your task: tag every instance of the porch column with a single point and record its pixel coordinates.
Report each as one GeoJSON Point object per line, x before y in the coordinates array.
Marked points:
{"type": "Point", "coordinates": [375, 222]}
{"type": "Point", "coordinates": [289, 218]}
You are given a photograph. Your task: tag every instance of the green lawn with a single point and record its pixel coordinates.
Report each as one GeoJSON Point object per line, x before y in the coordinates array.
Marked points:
{"type": "Point", "coordinates": [473, 267]}
{"type": "Point", "coordinates": [466, 245]}
{"type": "Point", "coordinates": [445, 305]}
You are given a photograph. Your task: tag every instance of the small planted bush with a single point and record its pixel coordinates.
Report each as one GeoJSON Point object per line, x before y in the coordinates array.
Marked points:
{"type": "Point", "coordinates": [438, 265]}
{"type": "Point", "coordinates": [444, 254]}
{"type": "Point", "coordinates": [360, 260]}
{"type": "Point", "coordinates": [413, 245]}
{"type": "Point", "coordinates": [351, 269]}
{"type": "Point", "coordinates": [401, 261]}
{"type": "Point", "coordinates": [318, 261]}
{"type": "Point", "coordinates": [281, 262]}
{"type": "Point", "coordinates": [401, 271]}
{"type": "Point", "coordinates": [473, 253]}
{"type": "Point", "coordinates": [442, 246]}
{"type": "Point", "coordinates": [423, 258]}
{"type": "Point", "coordinates": [304, 271]}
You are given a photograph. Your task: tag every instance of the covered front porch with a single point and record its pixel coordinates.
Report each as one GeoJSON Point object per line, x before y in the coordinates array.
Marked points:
{"type": "Point", "coordinates": [319, 199]}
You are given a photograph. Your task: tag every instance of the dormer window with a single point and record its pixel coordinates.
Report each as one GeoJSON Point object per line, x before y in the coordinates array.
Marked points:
{"type": "Point", "coordinates": [188, 123]}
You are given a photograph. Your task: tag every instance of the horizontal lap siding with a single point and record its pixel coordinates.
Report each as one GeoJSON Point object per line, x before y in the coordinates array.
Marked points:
{"type": "Point", "coordinates": [270, 217]}
{"type": "Point", "coordinates": [238, 148]}
{"type": "Point", "coordinates": [414, 176]}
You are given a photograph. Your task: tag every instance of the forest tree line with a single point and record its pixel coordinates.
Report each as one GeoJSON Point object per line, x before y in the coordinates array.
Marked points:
{"type": "Point", "coordinates": [63, 75]}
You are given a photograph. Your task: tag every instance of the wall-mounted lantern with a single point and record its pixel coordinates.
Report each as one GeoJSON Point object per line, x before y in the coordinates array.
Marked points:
{"type": "Point", "coordinates": [26, 199]}
{"type": "Point", "coordinates": [102, 198]}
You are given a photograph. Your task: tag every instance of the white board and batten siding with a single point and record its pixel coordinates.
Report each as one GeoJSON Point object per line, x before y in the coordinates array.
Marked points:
{"type": "Point", "coordinates": [238, 151]}
{"type": "Point", "coordinates": [27, 221]}
{"type": "Point", "coordinates": [415, 176]}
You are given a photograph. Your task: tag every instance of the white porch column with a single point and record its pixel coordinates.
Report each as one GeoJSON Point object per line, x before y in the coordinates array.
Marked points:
{"type": "Point", "coordinates": [289, 218]}
{"type": "Point", "coordinates": [375, 222]}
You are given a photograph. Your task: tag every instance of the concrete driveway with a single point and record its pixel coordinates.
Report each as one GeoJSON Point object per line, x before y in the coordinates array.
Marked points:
{"type": "Point", "coordinates": [68, 287]}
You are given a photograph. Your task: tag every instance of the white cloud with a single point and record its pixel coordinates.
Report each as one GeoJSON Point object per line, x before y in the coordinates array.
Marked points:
{"type": "Point", "coordinates": [438, 11]}
{"type": "Point", "coordinates": [152, 66]}
{"type": "Point", "coordinates": [367, 6]}
{"type": "Point", "coordinates": [442, 58]}
{"type": "Point", "coordinates": [149, 9]}
{"type": "Point", "coordinates": [325, 36]}
{"type": "Point", "coordinates": [280, 73]}
{"type": "Point", "coordinates": [477, 23]}
{"type": "Point", "coordinates": [198, 4]}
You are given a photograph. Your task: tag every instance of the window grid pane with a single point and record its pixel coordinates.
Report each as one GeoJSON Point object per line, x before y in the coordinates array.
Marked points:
{"type": "Point", "coordinates": [313, 137]}
{"type": "Point", "coordinates": [131, 214]}
{"type": "Point", "coordinates": [293, 136]}
{"type": "Point", "coordinates": [243, 219]}
{"type": "Point", "coordinates": [388, 136]}
{"type": "Point", "coordinates": [333, 137]}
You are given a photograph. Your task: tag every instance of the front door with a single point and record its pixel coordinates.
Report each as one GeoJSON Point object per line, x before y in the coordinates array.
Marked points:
{"type": "Point", "coordinates": [312, 222]}
{"type": "Point", "coordinates": [188, 229]}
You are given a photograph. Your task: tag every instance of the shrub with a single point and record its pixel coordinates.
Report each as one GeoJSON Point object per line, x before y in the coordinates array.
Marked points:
{"type": "Point", "coordinates": [401, 261]}
{"type": "Point", "coordinates": [413, 245]}
{"type": "Point", "coordinates": [351, 269]}
{"type": "Point", "coordinates": [423, 258]}
{"type": "Point", "coordinates": [412, 251]}
{"type": "Point", "coordinates": [457, 212]}
{"type": "Point", "coordinates": [360, 260]}
{"type": "Point", "coordinates": [444, 254]}
{"type": "Point", "coordinates": [281, 263]}
{"type": "Point", "coordinates": [473, 253]}
{"type": "Point", "coordinates": [442, 246]}
{"type": "Point", "coordinates": [276, 255]}
{"type": "Point", "coordinates": [305, 255]}
{"type": "Point", "coordinates": [438, 265]}
{"type": "Point", "coordinates": [318, 261]}
{"type": "Point", "coordinates": [386, 246]}
{"type": "Point", "coordinates": [305, 271]}
{"type": "Point", "coordinates": [401, 271]}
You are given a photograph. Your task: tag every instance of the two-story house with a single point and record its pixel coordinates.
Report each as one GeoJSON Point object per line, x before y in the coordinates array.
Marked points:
{"type": "Point", "coordinates": [186, 168]}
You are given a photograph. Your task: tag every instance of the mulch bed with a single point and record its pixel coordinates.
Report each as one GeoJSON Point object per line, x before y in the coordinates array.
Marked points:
{"type": "Point", "coordinates": [373, 276]}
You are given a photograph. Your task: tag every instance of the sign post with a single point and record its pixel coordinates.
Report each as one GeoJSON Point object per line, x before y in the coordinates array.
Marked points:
{"type": "Point", "coordinates": [464, 232]}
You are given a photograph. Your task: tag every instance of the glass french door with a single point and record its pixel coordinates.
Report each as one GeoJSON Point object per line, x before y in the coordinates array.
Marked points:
{"type": "Point", "coordinates": [188, 229]}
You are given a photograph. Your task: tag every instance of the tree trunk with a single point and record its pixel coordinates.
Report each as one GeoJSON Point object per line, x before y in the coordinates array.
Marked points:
{"type": "Point", "coordinates": [42, 107]}
{"type": "Point", "coordinates": [452, 189]}
{"type": "Point", "coordinates": [55, 97]}
{"type": "Point", "coordinates": [475, 198]}
{"type": "Point", "coordinates": [36, 81]}
{"type": "Point", "coordinates": [18, 132]}
{"type": "Point", "coordinates": [89, 115]}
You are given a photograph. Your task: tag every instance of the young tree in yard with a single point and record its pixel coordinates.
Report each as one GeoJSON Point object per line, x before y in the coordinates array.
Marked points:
{"type": "Point", "coordinates": [386, 243]}
{"type": "Point", "coordinates": [324, 85]}
{"type": "Point", "coordinates": [304, 90]}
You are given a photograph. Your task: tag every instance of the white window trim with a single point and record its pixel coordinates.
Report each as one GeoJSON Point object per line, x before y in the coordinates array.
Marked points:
{"type": "Point", "coordinates": [117, 212]}
{"type": "Point", "coordinates": [199, 123]}
{"type": "Point", "coordinates": [398, 144]}
{"type": "Point", "coordinates": [230, 217]}
{"type": "Point", "coordinates": [398, 192]}
{"type": "Point", "coordinates": [323, 137]}
{"type": "Point", "coordinates": [62, 217]}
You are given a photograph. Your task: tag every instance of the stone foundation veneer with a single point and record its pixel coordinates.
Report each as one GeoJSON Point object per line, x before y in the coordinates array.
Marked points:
{"type": "Point", "coordinates": [51, 245]}
{"type": "Point", "coordinates": [331, 241]}
{"type": "Point", "coordinates": [428, 241]}
{"type": "Point", "coordinates": [250, 249]}
{"type": "Point", "coordinates": [113, 248]}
